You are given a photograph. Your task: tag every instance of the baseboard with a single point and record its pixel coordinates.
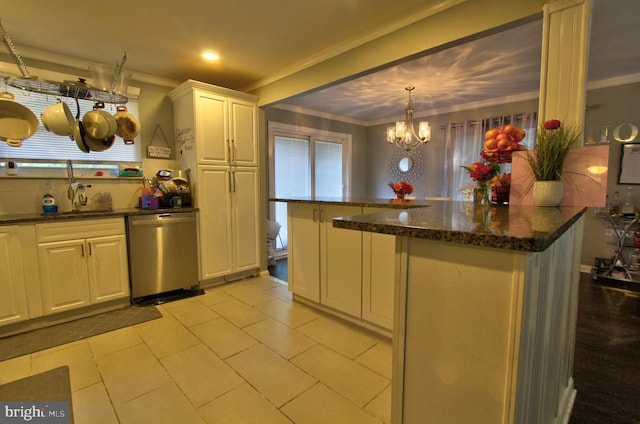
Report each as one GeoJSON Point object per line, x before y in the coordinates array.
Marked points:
{"type": "Point", "coordinates": [567, 404]}
{"type": "Point", "coordinates": [385, 332]}
{"type": "Point", "coordinates": [223, 279]}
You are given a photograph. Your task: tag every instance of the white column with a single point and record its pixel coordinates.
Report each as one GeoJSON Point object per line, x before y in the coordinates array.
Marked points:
{"type": "Point", "coordinates": [564, 64]}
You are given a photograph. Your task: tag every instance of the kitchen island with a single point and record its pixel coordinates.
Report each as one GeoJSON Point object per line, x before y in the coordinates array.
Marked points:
{"type": "Point", "coordinates": [485, 310]}
{"type": "Point", "coordinates": [346, 273]}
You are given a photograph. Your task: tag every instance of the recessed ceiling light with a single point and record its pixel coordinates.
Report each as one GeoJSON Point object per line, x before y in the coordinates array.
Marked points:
{"type": "Point", "coordinates": [210, 56]}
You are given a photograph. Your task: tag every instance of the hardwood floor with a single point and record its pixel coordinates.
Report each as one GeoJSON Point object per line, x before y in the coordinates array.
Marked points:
{"type": "Point", "coordinates": [279, 270]}
{"type": "Point", "coordinates": [607, 356]}
{"type": "Point", "coordinates": [607, 353]}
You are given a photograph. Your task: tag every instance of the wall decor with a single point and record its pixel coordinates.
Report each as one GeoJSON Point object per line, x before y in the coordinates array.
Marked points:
{"type": "Point", "coordinates": [629, 160]}
{"type": "Point", "coordinates": [159, 152]}
{"type": "Point", "coordinates": [406, 165]}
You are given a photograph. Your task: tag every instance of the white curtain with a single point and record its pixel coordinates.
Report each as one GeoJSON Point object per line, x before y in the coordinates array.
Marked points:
{"type": "Point", "coordinates": [463, 144]}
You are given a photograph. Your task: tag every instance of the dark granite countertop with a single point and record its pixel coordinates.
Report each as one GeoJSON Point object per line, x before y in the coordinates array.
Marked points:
{"type": "Point", "coordinates": [36, 218]}
{"type": "Point", "coordinates": [358, 201]}
{"type": "Point", "coordinates": [521, 228]}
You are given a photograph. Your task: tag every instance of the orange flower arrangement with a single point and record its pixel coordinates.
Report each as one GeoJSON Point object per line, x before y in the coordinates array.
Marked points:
{"type": "Point", "coordinates": [401, 188]}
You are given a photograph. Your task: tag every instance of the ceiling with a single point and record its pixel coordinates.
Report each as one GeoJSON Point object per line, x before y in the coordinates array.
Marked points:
{"type": "Point", "coordinates": [256, 39]}
{"type": "Point", "coordinates": [260, 41]}
{"type": "Point", "coordinates": [494, 69]}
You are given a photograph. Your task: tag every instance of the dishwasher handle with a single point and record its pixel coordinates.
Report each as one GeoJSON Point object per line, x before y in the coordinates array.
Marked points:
{"type": "Point", "coordinates": [161, 219]}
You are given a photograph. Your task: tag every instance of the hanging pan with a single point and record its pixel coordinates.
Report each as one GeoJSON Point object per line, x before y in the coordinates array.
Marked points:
{"type": "Point", "coordinates": [17, 121]}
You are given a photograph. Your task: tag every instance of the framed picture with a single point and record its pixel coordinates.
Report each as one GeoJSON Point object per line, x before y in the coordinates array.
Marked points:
{"type": "Point", "coordinates": [630, 164]}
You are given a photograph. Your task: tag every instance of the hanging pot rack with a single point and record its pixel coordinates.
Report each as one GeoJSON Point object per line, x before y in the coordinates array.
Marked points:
{"type": "Point", "coordinates": [74, 89]}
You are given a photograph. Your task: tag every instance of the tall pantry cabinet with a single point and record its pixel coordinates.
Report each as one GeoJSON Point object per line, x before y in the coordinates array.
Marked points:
{"type": "Point", "coordinates": [216, 137]}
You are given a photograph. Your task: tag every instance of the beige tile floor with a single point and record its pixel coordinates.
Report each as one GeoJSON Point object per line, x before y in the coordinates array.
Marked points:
{"type": "Point", "coordinates": [243, 352]}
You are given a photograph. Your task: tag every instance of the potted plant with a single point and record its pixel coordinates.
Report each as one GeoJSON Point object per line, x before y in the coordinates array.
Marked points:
{"type": "Point", "coordinates": [553, 143]}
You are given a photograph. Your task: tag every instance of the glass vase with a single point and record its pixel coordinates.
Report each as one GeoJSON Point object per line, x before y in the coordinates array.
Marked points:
{"type": "Point", "coordinates": [481, 193]}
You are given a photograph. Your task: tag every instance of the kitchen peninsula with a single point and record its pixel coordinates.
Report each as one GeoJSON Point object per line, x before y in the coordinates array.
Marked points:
{"type": "Point", "coordinates": [485, 311]}
{"type": "Point", "coordinates": [347, 273]}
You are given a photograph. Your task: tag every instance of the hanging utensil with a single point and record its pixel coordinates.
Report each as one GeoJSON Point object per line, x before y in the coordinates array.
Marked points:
{"type": "Point", "coordinates": [17, 121]}
{"type": "Point", "coordinates": [118, 74]}
{"type": "Point", "coordinates": [98, 123]}
{"type": "Point", "coordinates": [78, 131]}
{"type": "Point", "coordinates": [128, 125]}
{"type": "Point", "coordinates": [58, 119]}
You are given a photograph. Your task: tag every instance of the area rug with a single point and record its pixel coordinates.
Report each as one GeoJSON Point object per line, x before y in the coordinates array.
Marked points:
{"type": "Point", "coordinates": [49, 387]}
{"type": "Point", "coordinates": [44, 338]}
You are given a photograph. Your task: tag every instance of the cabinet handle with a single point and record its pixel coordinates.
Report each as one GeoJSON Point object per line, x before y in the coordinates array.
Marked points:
{"type": "Point", "coordinates": [234, 181]}
{"type": "Point", "coordinates": [90, 251]}
{"type": "Point", "coordinates": [82, 250]}
{"type": "Point", "coordinates": [234, 150]}
{"type": "Point", "coordinates": [321, 215]}
{"type": "Point", "coordinates": [228, 150]}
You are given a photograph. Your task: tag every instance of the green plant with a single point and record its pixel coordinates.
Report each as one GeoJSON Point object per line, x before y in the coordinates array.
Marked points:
{"type": "Point", "coordinates": [553, 143]}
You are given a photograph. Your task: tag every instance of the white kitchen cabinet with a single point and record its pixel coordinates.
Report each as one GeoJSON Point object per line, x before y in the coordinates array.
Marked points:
{"type": "Point", "coordinates": [13, 299]}
{"type": "Point", "coordinates": [215, 125]}
{"type": "Point", "coordinates": [216, 135]}
{"type": "Point", "coordinates": [334, 277]}
{"type": "Point", "coordinates": [303, 256]}
{"type": "Point", "coordinates": [229, 229]}
{"type": "Point", "coordinates": [82, 263]}
{"type": "Point", "coordinates": [379, 268]}
{"type": "Point", "coordinates": [108, 268]}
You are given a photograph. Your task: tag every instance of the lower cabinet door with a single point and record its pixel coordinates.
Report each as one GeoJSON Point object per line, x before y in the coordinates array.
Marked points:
{"type": "Point", "coordinates": [108, 272]}
{"type": "Point", "coordinates": [379, 273]}
{"type": "Point", "coordinates": [13, 300]}
{"type": "Point", "coordinates": [341, 262]}
{"type": "Point", "coordinates": [246, 241]}
{"type": "Point", "coordinates": [63, 275]}
{"type": "Point", "coordinates": [214, 201]}
{"type": "Point", "coordinates": [304, 250]}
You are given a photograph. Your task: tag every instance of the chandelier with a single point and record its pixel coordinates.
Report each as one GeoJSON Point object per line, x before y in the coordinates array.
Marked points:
{"type": "Point", "coordinates": [404, 135]}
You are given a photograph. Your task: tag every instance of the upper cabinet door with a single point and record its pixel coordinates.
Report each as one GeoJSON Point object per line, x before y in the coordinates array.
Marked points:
{"type": "Point", "coordinates": [243, 133]}
{"type": "Point", "coordinates": [212, 137]}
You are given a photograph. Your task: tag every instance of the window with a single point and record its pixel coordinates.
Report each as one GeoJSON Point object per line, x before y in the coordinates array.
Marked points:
{"type": "Point", "coordinates": [463, 144]}
{"type": "Point", "coordinates": [306, 162]}
{"type": "Point", "coordinates": [47, 151]}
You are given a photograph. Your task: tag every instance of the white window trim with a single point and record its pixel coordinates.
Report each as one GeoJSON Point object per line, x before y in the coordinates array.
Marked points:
{"type": "Point", "coordinates": [279, 128]}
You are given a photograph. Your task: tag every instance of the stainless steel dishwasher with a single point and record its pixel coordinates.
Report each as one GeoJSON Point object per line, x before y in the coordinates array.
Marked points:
{"type": "Point", "coordinates": [163, 253]}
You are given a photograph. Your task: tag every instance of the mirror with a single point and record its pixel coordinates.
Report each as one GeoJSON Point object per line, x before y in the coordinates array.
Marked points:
{"type": "Point", "coordinates": [405, 164]}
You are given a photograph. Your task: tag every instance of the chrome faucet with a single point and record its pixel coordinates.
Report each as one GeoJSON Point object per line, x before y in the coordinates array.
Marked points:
{"type": "Point", "coordinates": [79, 197]}
{"type": "Point", "coordinates": [76, 191]}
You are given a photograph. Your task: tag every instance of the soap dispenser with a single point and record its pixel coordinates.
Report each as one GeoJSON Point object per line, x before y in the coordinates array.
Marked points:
{"type": "Point", "coordinates": [49, 199]}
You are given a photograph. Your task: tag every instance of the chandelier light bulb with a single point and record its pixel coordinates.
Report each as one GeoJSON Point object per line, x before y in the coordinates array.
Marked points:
{"type": "Point", "coordinates": [424, 131]}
